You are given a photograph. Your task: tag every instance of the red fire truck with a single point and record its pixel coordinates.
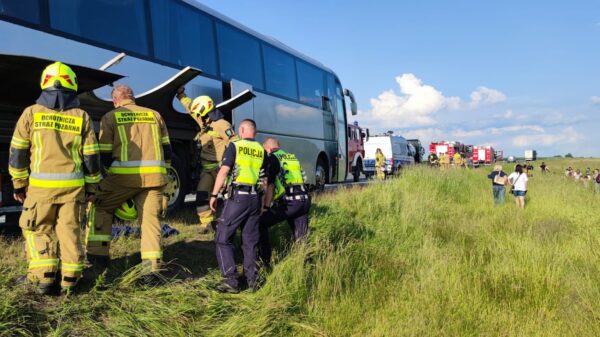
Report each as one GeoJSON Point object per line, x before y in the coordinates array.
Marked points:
{"type": "Point", "coordinates": [483, 155]}
{"type": "Point", "coordinates": [447, 147]}
{"type": "Point", "coordinates": [357, 137]}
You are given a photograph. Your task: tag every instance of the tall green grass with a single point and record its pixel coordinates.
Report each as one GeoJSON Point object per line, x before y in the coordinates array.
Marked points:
{"type": "Point", "coordinates": [422, 255]}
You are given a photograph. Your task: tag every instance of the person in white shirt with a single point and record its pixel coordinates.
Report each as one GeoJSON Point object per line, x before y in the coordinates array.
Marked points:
{"type": "Point", "coordinates": [518, 180]}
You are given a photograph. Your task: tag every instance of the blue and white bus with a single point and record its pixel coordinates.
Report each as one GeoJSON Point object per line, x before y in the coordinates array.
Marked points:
{"type": "Point", "coordinates": [298, 100]}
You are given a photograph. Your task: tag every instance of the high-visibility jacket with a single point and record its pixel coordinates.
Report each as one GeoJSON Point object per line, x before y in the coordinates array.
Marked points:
{"type": "Point", "coordinates": [457, 159]}
{"type": "Point", "coordinates": [249, 159]}
{"type": "Point", "coordinates": [214, 136]}
{"type": "Point", "coordinates": [290, 173]}
{"type": "Point", "coordinates": [134, 143]}
{"type": "Point", "coordinates": [54, 154]}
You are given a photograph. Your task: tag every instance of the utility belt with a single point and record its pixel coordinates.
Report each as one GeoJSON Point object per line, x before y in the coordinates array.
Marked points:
{"type": "Point", "coordinates": [240, 189]}
{"type": "Point", "coordinates": [295, 192]}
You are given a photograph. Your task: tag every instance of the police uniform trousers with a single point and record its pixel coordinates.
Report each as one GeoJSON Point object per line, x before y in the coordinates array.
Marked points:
{"type": "Point", "coordinates": [241, 210]}
{"type": "Point", "coordinates": [53, 240]}
{"type": "Point", "coordinates": [295, 211]}
{"type": "Point", "coordinates": [205, 187]}
{"type": "Point", "coordinates": [148, 202]}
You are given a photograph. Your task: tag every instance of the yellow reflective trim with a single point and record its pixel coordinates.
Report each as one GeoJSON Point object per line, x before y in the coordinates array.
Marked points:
{"type": "Point", "coordinates": [105, 147]}
{"type": "Point", "coordinates": [90, 223]}
{"type": "Point", "coordinates": [166, 140]}
{"type": "Point", "coordinates": [40, 263]}
{"type": "Point", "coordinates": [123, 138]}
{"type": "Point", "coordinates": [30, 244]}
{"type": "Point", "coordinates": [157, 254]}
{"type": "Point", "coordinates": [210, 166]}
{"type": "Point", "coordinates": [93, 179]}
{"type": "Point", "coordinates": [18, 173]}
{"type": "Point", "coordinates": [99, 238]}
{"type": "Point", "coordinates": [38, 152]}
{"type": "Point", "coordinates": [19, 143]}
{"type": "Point", "coordinates": [157, 144]}
{"type": "Point", "coordinates": [75, 153]}
{"type": "Point", "coordinates": [20, 140]}
{"type": "Point", "coordinates": [91, 149]}
{"type": "Point", "coordinates": [71, 266]}
{"type": "Point", "coordinates": [138, 170]}
{"type": "Point", "coordinates": [56, 183]}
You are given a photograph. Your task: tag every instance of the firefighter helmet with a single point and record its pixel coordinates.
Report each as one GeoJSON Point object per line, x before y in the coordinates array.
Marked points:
{"type": "Point", "coordinates": [126, 211]}
{"type": "Point", "coordinates": [201, 106]}
{"type": "Point", "coordinates": [58, 73]}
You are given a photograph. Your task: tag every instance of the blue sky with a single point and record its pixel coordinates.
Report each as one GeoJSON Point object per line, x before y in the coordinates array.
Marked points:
{"type": "Point", "coordinates": [514, 74]}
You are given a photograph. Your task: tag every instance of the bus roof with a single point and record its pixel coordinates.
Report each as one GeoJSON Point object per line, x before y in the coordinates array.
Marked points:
{"type": "Point", "coordinates": [271, 40]}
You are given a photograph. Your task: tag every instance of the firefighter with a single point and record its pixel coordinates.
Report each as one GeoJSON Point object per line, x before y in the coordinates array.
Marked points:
{"type": "Point", "coordinates": [444, 160]}
{"type": "Point", "coordinates": [380, 164]}
{"type": "Point", "coordinates": [433, 159]}
{"type": "Point", "coordinates": [242, 169]}
{"type": "Point", "coordinates": [215, 135]}
{"type": "Point", "coordinates": [136, 152]}
{"type": "Point", "coordinates": [289, 197]}
{"type": "Point", "coordinates": [457, 160]}
{"type": "Point", "coordinates": [54, 163]}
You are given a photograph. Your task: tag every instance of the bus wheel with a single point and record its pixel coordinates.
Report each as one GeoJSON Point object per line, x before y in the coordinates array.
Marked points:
{"type": "Point", "coordinates": [320, 175]}
{"type": "Point", "coordinates": [177, 179]}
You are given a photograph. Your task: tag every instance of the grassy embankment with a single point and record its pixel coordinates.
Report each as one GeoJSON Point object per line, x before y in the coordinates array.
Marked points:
{"type": "Point", "coordinates": [423, 255]}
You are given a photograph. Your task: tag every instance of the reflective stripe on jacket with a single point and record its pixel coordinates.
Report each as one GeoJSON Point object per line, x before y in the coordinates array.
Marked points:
{"type": "Point", "coordinates": [135, 145]}
{"type": "Point", "coordinates": [55, 153]}
{"type": "Point", "coordinates": [290, 173]}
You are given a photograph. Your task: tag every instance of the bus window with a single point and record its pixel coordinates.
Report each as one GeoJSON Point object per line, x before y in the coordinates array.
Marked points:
{"type": "Point", "coordinates": [310, 82]}
{"type": "Point", "coordinates": [280, 72]}
{"type": "Point", "coordinates": [117, 23]}
{"type": "Point", "coordinates": [239, 56]}
{"type": "Point", "coordinates": [27, 10]}
{"type": "Point", "coordinates": [183, 36]}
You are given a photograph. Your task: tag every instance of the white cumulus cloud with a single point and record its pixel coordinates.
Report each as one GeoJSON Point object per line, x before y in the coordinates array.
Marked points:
{"type": "Point", "coordinates": [413, 107]}
{"type": "Point", "coordinates": [568, 135]}
{"type": "Point", "coordinates": [486, 96]}
{"type": "Point", "coordinates": [595, 99]}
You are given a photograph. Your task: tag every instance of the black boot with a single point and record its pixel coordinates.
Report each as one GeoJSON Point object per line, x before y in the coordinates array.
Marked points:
{"type": "Point", "coordinates": [40, 288]}
{"type": "Point", "coordinates": [96, 265]}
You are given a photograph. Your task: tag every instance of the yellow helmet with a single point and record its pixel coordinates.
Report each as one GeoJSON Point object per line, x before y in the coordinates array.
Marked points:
{"type": "Point", "coordinates": [201, 106]}
{"type": "Point", "coordinates": [127, 211]}
{"type": "Point", "coordinates": [60, 72]}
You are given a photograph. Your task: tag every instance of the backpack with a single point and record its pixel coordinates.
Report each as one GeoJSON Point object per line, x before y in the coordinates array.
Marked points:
{"type": "Point", "coordinates": [598, 179]}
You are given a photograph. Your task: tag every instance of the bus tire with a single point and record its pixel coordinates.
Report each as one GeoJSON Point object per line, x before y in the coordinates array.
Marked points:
{"type": "Point", "coordinates": [321, 174]}
{"type": "Point", "coordinates": [178, 177]}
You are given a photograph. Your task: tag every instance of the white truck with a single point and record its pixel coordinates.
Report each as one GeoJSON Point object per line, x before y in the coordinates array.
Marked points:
{"type": "Point", "coordinates": [397, 151]}
{"type": "Point", "coordinates": [530, 155]}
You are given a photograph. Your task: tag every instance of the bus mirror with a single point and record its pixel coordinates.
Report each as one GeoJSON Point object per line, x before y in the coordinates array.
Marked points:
{"type": "Point", "coordinates": [353, 106]}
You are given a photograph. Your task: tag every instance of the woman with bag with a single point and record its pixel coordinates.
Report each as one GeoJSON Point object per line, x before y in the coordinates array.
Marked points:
{"type": "Point", "coordinates": [498, 178]}
{"type": "Point", "coordinates": [518, 180]}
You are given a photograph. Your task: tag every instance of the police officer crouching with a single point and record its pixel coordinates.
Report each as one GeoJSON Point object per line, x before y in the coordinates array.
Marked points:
{"type": "Point", "coordinates": [291, 202]}
{"type": "Point", "coordinates": [242, 169]}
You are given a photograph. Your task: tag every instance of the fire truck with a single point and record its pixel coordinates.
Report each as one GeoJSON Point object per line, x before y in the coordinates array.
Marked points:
{"type": "Point", "coordinates": [447, 147]}
{"type": "Point", "coordinates": [357, 137]}
{"type": "Point", "coordinates": [483, 155]}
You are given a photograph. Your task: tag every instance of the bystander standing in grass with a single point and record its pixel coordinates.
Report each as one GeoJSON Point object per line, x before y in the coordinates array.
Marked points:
{"type": "Point", "coordinates": [518, 180]}
{"type": "Point", "coordinates": [596, 183]}
{"type": "Point", "coordinates": [498, 182]}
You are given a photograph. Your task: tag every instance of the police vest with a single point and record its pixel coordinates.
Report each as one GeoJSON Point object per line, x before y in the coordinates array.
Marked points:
{"type": "Point", "coordinates": [290, 173]}
{"type": "Point", "coordinates": [249, 157]}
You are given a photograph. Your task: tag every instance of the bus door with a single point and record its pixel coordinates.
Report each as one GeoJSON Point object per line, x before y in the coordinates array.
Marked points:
{"type": "Point", "coordinates": [242, 111]}
{"type": "Point", "coordinates": [338, 110]}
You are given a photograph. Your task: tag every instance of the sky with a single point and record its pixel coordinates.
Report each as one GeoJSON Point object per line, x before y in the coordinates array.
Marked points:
{"type": "Point", "coordinates": [513, 74]}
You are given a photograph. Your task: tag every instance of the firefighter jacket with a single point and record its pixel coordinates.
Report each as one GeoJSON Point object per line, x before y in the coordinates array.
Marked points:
{"type": "Point", "coordinates": [54, 153]}
{"type": "Point", "coordinates": [290, 173]}
{"type": "Point", "coordinates": [135, 146]}
{"type": "Point", "coordinates": [214, 136]}
{"type": "Point", "coordinates": [379, 160]}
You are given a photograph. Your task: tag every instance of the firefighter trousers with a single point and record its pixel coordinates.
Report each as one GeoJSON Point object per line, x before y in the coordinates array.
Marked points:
{"type": "Point", "coordinates": [53, 240]}
{"type": "Point", "coordinates": [148, 203]}
{"type": "Point", "coordinates": [205, 186]}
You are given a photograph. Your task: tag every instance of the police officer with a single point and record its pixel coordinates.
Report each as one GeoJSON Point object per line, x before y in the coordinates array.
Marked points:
{"type": "Point", "coordinates": [288, 195]}
{"type": "Point", "coordinates": [215, 135]}
{"type": "Point", "coordinates": [135, 150]}
{"type": "Point", "coordinates": [53, 162]}
{"type": "Point", "coordinates": [241, 171]}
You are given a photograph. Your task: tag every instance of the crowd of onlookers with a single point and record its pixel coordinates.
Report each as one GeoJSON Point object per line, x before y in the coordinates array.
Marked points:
{"type": "Point", "coordinates": [588, 177]}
